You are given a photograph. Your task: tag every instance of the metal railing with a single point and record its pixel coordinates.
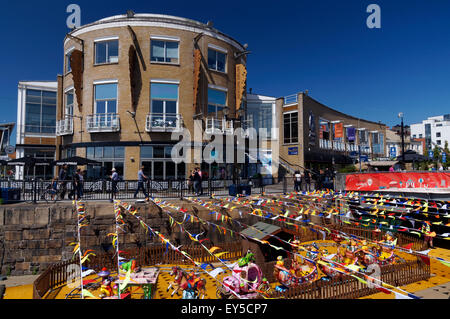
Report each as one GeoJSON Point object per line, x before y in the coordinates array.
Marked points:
{"type": "Point", "coordinates": [64, 127]}
{"type": "Point", "coordinates": [108, 122]}
{"type": "Point", "coordinates": [339, 146]}
{"type": "Point", "coordinates": [290, 99]}
{"type": "Point", "coordinates": [94, 190]}
{"type": "Point", "coordinates": [163, 122]}
{"type": "Point", "coordinates": [325, 144]}
{"type": "Point", "coordinates": [219, 126]}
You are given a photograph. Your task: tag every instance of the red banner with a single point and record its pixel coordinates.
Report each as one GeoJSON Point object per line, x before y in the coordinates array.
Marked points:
{"type": "Point", "coordinates": [395, 181]}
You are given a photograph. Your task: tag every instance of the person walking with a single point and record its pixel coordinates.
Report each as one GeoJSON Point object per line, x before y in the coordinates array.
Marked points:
{"type": "Point", "coordinates": [141, 179]}
{"type": "Point", "coordinates": [114, 181]}
{"type": "Point", "coordinates": [197, 182]}
{"type": "Point", "coordinates": [62, 179]}
{"type": "Point", "coordinates": [75, 185]}
{"type": "Point", "coordinates": [297, 181]}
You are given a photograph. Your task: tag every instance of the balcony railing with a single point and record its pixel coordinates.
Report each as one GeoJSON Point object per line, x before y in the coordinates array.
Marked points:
{"type": "Point", "coordinates": [325, 144]}
{"type": "Point", "coordinates": [219, 126]}
{"type": "Point", "coordinates": [64, 127]}
{"type": "Point", "coordinates": [163, 122]}
{"type": "Point", "coordinates": [291, 99]}
{"type": "Point", "coordinates": [338, 146]}
{"type": "Point", "coordinates": [352, 147]}
{"type": "Point", "coordinates": [98, 123]}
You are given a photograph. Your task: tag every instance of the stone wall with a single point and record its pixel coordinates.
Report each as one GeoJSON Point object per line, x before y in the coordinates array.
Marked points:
{"type": "Point", "coordinates": [32, 237]}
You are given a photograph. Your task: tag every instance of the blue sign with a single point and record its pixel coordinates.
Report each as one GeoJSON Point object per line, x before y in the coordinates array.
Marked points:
{"type": "Point", "coordinates": [444, 157]}
{"type": "Point", "coordinates": [430, 154]}
{"type": "Point", "coordinates": [364, 158]}
{"type": "Point", "coordinates": [353, 154]}
{"type": "Point", "coordinates": [293, 150]}
{"type": "Point", "coordinates": [393, 152]}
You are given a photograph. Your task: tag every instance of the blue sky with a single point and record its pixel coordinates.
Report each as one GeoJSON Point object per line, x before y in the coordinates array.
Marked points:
{"type": "Point", "coordinates": [323, 46]}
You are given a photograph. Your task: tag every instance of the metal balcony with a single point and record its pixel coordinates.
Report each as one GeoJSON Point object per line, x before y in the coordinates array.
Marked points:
{"type": "Point", "coordinates": [219, 126]}
{"type": "Point", "coordinates": [162, 122]}
{"type": "Point", "coordinates": [338, 146]}
{"type": "Point", "coordinates": [64, 127]}
{"type": "Point", "coordinates": [325, 144]}
{"type": "Point", "coordinates": [290, 99]}
{"type": "Point", "coordinates": [100, 123]}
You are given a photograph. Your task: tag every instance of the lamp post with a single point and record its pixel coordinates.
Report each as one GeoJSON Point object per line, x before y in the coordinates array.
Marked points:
{"type": "Point", "coordinates": [400, 115]}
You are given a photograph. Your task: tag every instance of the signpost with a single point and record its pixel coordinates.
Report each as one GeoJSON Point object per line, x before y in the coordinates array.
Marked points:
{"type": "Point", "coordinates": [393, 152]}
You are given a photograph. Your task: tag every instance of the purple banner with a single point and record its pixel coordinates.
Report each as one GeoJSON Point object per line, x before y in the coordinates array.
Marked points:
{"type": "Point", "coordinates": [351, 134]}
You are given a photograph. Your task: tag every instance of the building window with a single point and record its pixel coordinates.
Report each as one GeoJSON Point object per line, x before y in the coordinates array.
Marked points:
{"type": "Point", "coordinates": [68, 65]}
{"type": "Point", "coordinates": [107, 52]}
{"type": "Point", "coordinates": [420, 135]}
{"type": "Point", "coordinates": [260, 116]}
{"type": "Point", "coordinates": [438, 134]}
{"type": "Point", "coordinates": [217, 101]}
{"type": "Point", "coordinates": [158, 164]}
{"type": "Point", "coordinates": [164, 104]}
{"type": "Point", "coordinates": [69, 103]}
{"type": "Point", "coordinates": [324, 129]}
{"type": "Point", "coordinates": [290, 122]}
{"type": "Point", "coordinates": [106, 98]}
{"type": "Point", "coordinates": [164, 51]}
{"type": "Point", "coordinates": [414, 135]}
{"type": "Point", "coordinates": [217, 60]}
{"type": "Point", "coordinates": [438, 142]}
{"type": "Point", "coordinates": [40, 112]}
{"type": "Point", "coordinates": [110, 157]}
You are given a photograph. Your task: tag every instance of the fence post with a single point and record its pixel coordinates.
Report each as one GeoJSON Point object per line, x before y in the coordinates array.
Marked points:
{"type": "Point", "coordinates": [210, 188]}
{"type": "Point", "coordinates": [34, 191]}
{"type": "Point", "coordinates": [181, 189]}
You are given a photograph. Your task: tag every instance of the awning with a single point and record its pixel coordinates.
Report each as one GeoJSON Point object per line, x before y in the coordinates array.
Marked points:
{"type": "Point", "coordinates": [382, 163]}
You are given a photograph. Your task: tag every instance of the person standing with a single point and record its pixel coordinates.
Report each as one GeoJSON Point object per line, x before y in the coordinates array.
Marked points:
{"type": "Point", "coordinates": [114, 180]}
{"type": "Point", "coordinates": [62, 179]}
{"type": "Point", "coordinates": [307, 181]}
{"type": "Point", "coordinates": [197, 182]}
{"type": "Point", "coordinates": [141, 179]}
{"type": "Point", "coordinates": [297, 181]}
{"type": "Point", "coordinates": [80, 184]}
{"type": "Point", "coordinates": [75, 185]}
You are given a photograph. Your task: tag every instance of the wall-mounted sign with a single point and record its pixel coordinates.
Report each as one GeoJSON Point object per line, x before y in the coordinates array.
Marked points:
{"type": "Point", "coordinates": [293, 150]}
{"type": "Point", "coordinates": [393, 152]}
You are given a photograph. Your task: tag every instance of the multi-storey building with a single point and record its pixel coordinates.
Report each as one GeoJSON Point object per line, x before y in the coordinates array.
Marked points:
{"type": "Point", "coordinates": [435, 130]}
{"type": "Point", "coordinates": [394, 144]}
{"type": "Point", "coordinates": [316, 136]}
{"type": "Point", "coordinates": [36, 126]}
{"type": "Point", "coordinates": [131, 80]}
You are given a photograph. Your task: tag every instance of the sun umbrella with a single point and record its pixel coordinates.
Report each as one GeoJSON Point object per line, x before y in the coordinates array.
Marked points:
{"type": "Point", "coordinates": [75, 161]}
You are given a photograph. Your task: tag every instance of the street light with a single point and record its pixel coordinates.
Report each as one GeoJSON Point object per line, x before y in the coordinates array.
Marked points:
{"type": "Point", "coordinates": [400, 115]}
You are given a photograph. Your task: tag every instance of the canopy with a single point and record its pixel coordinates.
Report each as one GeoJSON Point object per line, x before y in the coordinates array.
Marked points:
{"type": "Point", "coordinates": [76, 161]}
{"type": "Point", "coordinates": [412, 156]}
{"type": "Point", "coordinates": [29, 161]}
{"type": "Point", "coordinates": [382, 163]}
